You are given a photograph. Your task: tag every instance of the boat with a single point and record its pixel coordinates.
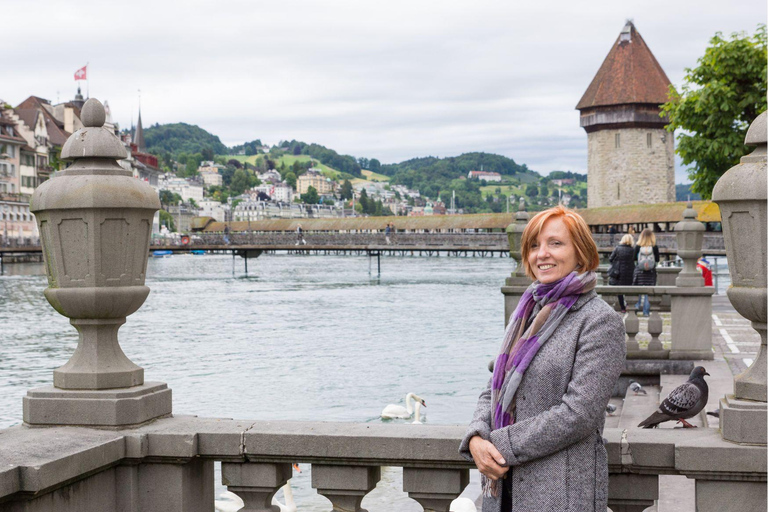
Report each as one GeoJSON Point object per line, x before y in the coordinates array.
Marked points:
{"type": "Point", "coordinates": [161, 253]}
{"type": "Point", "coordinates": [197, 252]}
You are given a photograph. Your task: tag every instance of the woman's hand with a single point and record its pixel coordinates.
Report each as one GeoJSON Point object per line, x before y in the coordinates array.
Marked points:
{"type": "Point", "coordinates": [487, 458]}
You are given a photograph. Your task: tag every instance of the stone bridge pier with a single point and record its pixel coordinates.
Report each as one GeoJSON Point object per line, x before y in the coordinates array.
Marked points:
{"type": "Point", "coordinates": [101, 438]}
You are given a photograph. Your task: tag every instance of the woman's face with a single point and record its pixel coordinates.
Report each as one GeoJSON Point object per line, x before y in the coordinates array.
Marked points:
{"type": "Point", "coordinates": [552, 255]}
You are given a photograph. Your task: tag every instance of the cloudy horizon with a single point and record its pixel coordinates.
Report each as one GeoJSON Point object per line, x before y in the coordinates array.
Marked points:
{"type": "Point", "coordinates": [390, 81]}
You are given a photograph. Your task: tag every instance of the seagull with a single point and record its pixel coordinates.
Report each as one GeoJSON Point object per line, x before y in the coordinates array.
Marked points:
{"type": "Point", "coordinates": [685, 401]}
{"type": "Point", "coordinates": [637, 388]}
{"type": "Point", "coordinates": [610, 409]}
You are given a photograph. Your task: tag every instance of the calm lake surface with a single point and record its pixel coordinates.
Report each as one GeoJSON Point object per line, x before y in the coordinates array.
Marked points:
{"type": "Point", "coordinates": [299, 338]}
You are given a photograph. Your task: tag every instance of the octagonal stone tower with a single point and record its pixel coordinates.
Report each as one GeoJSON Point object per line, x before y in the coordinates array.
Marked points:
{"type": "Point", "coordinates": [630, 156]}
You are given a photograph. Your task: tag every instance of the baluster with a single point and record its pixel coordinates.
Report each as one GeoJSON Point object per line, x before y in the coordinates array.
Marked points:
{"type": "Point", "coordinates": [345, 486]}
{"type": "Point", "coordinates": [434, 489]}
{"type": "Point", "coordinates": [255, 483]}
{"type": "Point", "coordinates": [655, 324]}
{"type": "Point", "coordinates": [631, 323]}
{"type": "Point", "coordinates": [631, 492]}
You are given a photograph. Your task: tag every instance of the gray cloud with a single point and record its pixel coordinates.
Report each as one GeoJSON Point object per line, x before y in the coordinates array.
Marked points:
{"type": "Point", "coordinates": [394, 80]}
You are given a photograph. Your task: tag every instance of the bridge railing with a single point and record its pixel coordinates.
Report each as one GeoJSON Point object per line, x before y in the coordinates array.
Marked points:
{"type": "Point", "coordinates": [169, 464]}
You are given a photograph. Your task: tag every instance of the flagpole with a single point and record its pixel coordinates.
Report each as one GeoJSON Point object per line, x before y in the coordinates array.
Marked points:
{"type": "Point", "coordinates": [87, 82]}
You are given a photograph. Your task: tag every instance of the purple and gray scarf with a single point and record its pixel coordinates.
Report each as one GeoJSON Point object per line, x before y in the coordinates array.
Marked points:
{"type": "Point", "coordinates": [520, 345]}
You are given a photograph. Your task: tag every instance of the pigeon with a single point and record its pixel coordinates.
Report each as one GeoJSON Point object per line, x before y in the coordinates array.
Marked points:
{"type": "Point", "coordinates": [685, 401]}
{"type": "Point", "coordinates": [610, 409]}
{"type": "Point", "coordinates": [637, 388]}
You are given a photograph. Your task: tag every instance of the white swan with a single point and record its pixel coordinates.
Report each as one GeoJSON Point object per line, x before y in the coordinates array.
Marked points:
{"type": "Point", "coordinates": [417, 414]}
{"type": "Point", "coordinates": [462, 505]}
{"type": "Point", "coordinates": [229, 502]}
{"type": "Point", "coordinates": [290, 505]}
{"type": "Point", "coordinates": [393, 411]}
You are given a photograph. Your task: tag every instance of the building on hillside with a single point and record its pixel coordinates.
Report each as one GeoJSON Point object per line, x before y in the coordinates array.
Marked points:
{"type": "Point", "coordinates": [270, 176]}
{"type": "Point", "coordinates": [209, 166]}
{"type": "Point", "coordinates": [212, 179]}
{"type": "Point", "coordinates": [314, 178]}
{"type": "Point", "coordinates": [484, 175]}
{"type": "Point", "coordinates": [213, 209]}
{"type": "Point", "coordinates": [282, 193]}
{"type": "Point", "coordinates": [564, 181]}
{"type": "Point", "coordinates": [182, 217]}
{"type": "Point", "coordinates": [186, 188]}
{"type": "Point", "coordinates": [630, 156]}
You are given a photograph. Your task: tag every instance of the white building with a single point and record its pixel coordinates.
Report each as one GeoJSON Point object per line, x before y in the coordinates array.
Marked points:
{"type": "Point", "coordinates": [271, 176]}
{"type": "Point", "coordinates": [186, 188]}
{"type": "Point", "coordinates": [485, 175]}
{"type": "Point", "coordinates": [212, 179]}
{"type": "Point", "coordinates": [215, 209]}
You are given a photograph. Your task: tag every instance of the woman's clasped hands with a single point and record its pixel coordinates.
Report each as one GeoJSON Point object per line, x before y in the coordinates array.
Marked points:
{"type": "Point", "coordinates": [487, 458]}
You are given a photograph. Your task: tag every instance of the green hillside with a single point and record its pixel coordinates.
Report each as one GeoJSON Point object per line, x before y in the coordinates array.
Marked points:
{"type": "Point", "coordinates": [177, 138]}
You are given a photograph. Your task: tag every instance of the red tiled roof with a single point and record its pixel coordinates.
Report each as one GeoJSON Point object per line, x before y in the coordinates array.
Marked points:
{"type": "Point", "coordinates": [27, 111]}
{"type": "Point", "coordinates": [629, 74]}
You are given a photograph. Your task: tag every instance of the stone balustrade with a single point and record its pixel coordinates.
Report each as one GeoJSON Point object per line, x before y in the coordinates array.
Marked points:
{"type": "Point", "coordinates": [167, 465]}
{"type": "Point", "coordinates": [691, 336]}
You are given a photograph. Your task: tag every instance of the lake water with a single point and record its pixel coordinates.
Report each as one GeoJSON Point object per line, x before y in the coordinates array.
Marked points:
{"type": "Point", "coordinates": [299, 338]}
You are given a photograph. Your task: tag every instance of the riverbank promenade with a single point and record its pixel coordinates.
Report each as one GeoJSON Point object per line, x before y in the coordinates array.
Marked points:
{"type": "Point", "coordinates": [100, 437]}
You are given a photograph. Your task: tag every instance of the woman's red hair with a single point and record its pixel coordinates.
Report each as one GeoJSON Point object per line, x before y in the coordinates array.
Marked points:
{"type": "Point", "coordinates": [586, 249]}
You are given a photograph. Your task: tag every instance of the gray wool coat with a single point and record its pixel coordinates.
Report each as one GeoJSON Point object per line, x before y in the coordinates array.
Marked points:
{"type": "Point", "coordinates": [555, 447]}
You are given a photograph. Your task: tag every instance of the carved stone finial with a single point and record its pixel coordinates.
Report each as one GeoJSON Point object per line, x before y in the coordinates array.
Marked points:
{"type": "Point", "coordinates": [93, 114]}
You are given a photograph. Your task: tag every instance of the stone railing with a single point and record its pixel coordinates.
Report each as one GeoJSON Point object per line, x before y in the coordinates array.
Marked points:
{"type": "Point", "coordinates": [168, 465]}
{"type": "Point", "coordinates": [691, 310]}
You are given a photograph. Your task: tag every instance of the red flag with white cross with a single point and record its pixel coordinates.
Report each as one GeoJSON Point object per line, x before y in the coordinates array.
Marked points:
{"type": "Point", "coordinates": [80, 74]}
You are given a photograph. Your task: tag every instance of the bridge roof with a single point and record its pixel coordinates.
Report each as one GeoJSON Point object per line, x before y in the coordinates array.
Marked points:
{"type": "Point", "coordinates": [628, 214]}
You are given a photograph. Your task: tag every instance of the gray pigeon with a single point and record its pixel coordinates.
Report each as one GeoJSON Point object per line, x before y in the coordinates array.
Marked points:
{"type": "Point", "coordinates": [637, 388]}
{"type": "Point", "coordinates": [610, 409]}
{"type": "Point", "coordinates": [685, 401]}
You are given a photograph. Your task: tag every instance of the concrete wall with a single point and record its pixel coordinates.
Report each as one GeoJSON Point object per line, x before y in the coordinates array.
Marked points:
{"type": "Point", "coordinates": [631, 173]}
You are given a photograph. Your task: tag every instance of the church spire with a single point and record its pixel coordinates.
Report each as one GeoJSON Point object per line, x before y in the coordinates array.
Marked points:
{"type": "Point", "coordinates": [138, 135]}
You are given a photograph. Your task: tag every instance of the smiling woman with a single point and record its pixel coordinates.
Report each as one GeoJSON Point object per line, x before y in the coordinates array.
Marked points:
{"type": "Point", "coordinates": [536, 435]}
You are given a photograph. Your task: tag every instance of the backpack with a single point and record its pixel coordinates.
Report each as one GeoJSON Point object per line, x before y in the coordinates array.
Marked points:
{"type": "Point", "coordinates": [645, 260]}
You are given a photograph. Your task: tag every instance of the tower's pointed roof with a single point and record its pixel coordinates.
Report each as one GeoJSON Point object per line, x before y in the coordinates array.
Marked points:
{"type": "Point", "coordinates": [138, 135]}
{"type": "Point", "coordinates": [629, 74]}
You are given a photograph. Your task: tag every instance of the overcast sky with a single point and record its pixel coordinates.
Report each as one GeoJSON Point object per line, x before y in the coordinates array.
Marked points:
{"type": "Point", "coordinates": [390, 79]}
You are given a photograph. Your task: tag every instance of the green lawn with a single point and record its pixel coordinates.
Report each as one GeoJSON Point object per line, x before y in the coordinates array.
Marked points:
{"type": "Point", "coordinates": [372, 176]}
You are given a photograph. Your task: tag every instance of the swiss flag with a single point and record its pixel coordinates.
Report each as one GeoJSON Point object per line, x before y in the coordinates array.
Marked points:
{"type": "Point", "coordinates": [80, 74]}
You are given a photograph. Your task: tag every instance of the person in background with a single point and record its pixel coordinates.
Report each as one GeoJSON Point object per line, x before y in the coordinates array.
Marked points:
{"type": "Point", "coordinates": [646, 259]}
{"type": "Point", "coordinates": [706, 272]}
{"type": "Point", "coordinates": [622, 266]}
{"type": "Point", "coordinates": [611, 234]}
{"type": "Point", "coordinates": [536, 434]}
{"type": "Point", "coordinates": [387, 232]}
{"type": "Point", "coordinates": [300, 236]}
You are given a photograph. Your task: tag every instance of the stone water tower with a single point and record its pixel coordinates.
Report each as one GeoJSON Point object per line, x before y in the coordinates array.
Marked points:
{"type": "Point", "coordinates": [630, 157]}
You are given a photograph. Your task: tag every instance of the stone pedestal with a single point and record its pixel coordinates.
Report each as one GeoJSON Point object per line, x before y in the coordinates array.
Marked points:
{"type": "Point", "coordinates": [517, 282]}
{"type": "Point", "coordinates": [691, 323]}
{"type": "Point", "coordinates": [345, 486]}
{"type": "Point", "coordinates": [690, 237]}
{"type": "Point", "coordinates": [255, 483]}
{"type": "Point", "coordinates": [434, 489]}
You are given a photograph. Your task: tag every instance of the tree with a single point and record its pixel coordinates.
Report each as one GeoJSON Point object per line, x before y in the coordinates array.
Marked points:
{"type": "Point", "coordinates": [239, 182]}
{"type": "Point", "coordinates": [374, 165]}
{"type": "Point", "coordinates": [290, 179]}
{"type": "Point", "coordinates": [235, 163]}
{"type": "Point", "coordinates": [207, 153]}
{"type": "Point", "coordinates": [311, 196]}
{"type": "Point", "coordinates": [346, 190]}
{"type": "Point", "coordinates": [719, 99]}
{"type": "Point", "coordinates": [363, 200]}
{"type": "Point", "coordinates": [167, 220]}
{"type": "Point", "coordinates": [532, 190]}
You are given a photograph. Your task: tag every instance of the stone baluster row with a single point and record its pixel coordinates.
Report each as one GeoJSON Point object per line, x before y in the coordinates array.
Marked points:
{"type": "Point", "coordinates": [345, 486]}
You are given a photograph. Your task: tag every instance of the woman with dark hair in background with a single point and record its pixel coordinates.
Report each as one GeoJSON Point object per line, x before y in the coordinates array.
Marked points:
{"type": "Point", "coordinates": [622, 268]}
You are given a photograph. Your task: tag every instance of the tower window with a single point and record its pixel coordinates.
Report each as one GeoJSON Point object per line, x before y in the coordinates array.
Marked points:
{"type": "Point", "coordinates": [618, 140]}
{"type": "Point", "coordinates": [648, 139]}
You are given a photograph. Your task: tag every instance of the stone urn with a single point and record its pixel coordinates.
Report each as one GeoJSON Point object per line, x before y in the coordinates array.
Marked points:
{"type": "Point", "coordinates": [95, 222]}
{"type": "Point", "coordinates": [742, 197]}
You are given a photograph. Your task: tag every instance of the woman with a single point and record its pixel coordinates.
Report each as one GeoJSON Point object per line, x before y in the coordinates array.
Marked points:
{"type": "Point", "coordinates": [536, 435]}
{"type": "Point", "coordinates": [623, 260]}
{"type": "Point", "coordinates": [646, 257]}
